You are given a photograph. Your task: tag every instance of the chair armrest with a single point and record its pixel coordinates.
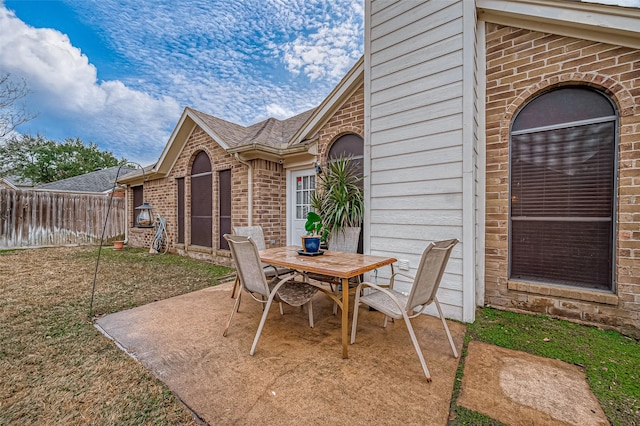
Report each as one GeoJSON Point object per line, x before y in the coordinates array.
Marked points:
{"type": "Point", "coordinates": [402, 274]}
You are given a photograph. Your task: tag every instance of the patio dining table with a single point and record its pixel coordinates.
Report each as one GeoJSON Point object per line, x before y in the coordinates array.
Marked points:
{"type": "Point", "coordinates": [331, 263]}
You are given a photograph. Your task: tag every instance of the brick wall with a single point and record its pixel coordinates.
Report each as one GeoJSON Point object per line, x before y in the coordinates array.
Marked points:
{"type": "Point", "coordinates": [162, 195]}
{"type": "Point", "coordinates": [521, 64]}
{"type": "Point", "coordinates": [348, 119]}
{"type": "Point", "coordinates": [269, 187]}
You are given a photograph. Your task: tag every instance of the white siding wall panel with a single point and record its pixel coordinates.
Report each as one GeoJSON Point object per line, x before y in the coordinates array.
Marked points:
{"type": "Point", "coordinates": [411, 74]}
{"type": "Point", "coordinates": [442, 76]}
{"type": "Point", "coordinates": [443, 171]}
{"type": "Point", "coordinates": [415, 116]}
{"type": "Point", "coordinates": [388, 60]}
{"type": "Point", "coordinates": [424, 143]}
{"type": "Point", "coordinates": [414, 21]}
{"type": "Point", "coordinates": [415, 172]}
{"type": "Point", "coordinates": [423, 204]}
{"type": "Point", "coordinates": [444, 155]}
{"type": "Point", "coordinates": [436, 125]}
{"type": "Point", "coordinates": [417, 100]}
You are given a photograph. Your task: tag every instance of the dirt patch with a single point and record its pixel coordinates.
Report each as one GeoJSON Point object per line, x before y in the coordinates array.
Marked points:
{"type": "Point", "coordinates": [521, 389]}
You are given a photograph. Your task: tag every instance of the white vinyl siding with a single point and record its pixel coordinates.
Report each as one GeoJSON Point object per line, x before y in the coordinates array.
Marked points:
{"type": "Point", "coordinates": [415, 134]}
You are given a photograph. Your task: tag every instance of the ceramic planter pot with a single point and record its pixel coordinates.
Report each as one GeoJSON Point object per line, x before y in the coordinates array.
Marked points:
{"type": "Point", "coordinates": [118, 245]}
{"type": "Point", "coordinates": [310, 243]}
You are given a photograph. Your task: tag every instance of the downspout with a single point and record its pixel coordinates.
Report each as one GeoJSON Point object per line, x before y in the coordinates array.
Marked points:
{"type": "Point", "coordinates": [126, 210]}
{"type": "Point", "coordinates": [249, 189]}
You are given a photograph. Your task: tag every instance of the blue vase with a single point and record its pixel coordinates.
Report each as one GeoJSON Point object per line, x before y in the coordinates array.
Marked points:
{"type": "Point", "coordinates": [311, 244]}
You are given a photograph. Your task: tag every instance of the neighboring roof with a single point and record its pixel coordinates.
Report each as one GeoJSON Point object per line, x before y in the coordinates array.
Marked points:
{"type": "Point", "coordinates": [17, 182]}
{"type": "Point", "coordinates": [100, 181]}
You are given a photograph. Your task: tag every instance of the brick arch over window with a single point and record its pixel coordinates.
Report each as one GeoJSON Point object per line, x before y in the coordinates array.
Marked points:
{"type": "Point", "coordinates": [201, 200]}
{"type": "Point", "coordinates": [333, 136]}
{"type": "Point", "coordinates": [618, 93]}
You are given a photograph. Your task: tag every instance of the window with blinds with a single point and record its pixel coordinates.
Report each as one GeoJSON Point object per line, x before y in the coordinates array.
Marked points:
{"type": "Point", "coordinates": [562, 189]}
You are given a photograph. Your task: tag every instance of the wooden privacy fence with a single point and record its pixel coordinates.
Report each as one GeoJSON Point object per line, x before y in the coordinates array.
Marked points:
{"type": "Point", "coordinates": [41, 219]}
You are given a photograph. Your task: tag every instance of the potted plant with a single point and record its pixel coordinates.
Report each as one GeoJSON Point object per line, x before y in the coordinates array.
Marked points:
{"type": "Point", "coordinates": [339, 198]}
{"type": "Point", "coordinates": [315, 233]}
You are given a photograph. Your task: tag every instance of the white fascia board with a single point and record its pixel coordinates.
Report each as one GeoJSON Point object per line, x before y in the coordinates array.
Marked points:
{"type": "Point", "coordinates": [172, 151]}
{"type": "Point", "coordinates": [209, 131]}
{"type": "Point", "coordinates": [164, 156]}
{"type": "Point", "coordinates": [602, 23]}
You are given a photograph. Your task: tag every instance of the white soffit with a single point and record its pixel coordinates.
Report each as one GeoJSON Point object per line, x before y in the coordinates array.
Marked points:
{"type": "Point", "coordinates": [607, 24]}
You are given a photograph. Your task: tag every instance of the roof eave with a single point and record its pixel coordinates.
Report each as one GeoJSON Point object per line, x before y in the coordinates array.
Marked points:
{"type": "Point", "coordinates": [590, 21]}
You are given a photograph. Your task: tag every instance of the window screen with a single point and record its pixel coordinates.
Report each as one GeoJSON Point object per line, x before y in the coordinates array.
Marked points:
{"type": "Point", "coordinates": [138, 199]}
{"type": "Point", "coordinates": [562, 190]}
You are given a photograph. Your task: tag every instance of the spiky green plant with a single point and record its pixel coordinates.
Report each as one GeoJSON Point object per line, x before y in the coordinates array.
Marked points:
{"type": "Point", "coordinates": [339, 198]}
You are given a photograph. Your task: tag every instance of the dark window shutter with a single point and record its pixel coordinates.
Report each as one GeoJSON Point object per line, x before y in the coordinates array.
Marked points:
{"type": "Point", "coordinates": [180, 212]}
{"type": "Point", "coordinates": [138, 199]}
{"type": "Point", "coordinates": [224, 186]}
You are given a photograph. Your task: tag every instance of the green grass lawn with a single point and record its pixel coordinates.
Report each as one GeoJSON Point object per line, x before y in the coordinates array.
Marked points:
{"type": "Point", "coordinates": [611, 361]}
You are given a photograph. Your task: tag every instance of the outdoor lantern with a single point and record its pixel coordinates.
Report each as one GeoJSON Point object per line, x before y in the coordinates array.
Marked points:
{"type": "Point", "coordinates": [143, 219]}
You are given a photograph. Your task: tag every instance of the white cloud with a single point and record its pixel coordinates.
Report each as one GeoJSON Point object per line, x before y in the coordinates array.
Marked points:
{"type": "Point", "coordinates": [280, 112]}
{"type": "Point", "coordinates": [64, 84]}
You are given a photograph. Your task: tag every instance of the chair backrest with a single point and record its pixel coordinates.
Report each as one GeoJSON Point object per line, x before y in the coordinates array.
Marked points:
{"type": "Point", "coordinates": [248, 265]}
{"type": "Point", "coordinates": [432, 265]}
{"type": "Point", "coordinates": [345, 239]}
{"type": "Point", "coordinates": [255, 232]}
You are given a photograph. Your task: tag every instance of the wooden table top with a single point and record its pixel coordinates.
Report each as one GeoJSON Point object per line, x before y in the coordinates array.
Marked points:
{"type": "Point", "coordinates": [333, 263]}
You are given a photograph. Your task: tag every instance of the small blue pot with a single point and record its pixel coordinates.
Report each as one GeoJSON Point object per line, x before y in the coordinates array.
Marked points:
{"type": "Point", "coordinates": [311, 244]}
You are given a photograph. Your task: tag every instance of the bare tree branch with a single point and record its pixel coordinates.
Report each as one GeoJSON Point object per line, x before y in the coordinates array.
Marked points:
{"type": "Point", "coordinates": [12, 112]}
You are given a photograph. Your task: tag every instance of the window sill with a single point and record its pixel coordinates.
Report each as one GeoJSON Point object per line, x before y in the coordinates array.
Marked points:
{"type": "Point", "coordinates": [565, 292]}
{"type": "Point", "coordinates": [200, 249]}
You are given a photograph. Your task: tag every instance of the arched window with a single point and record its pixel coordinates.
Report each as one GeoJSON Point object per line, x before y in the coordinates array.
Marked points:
{"type": "Point", "coordinates": [562, 189]}
{"type": "Point", "coordinates": [201, 203]}
{"type": "Point", "coordinates": [349, 145]}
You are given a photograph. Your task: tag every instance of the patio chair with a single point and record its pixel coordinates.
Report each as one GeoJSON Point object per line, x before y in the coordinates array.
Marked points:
{"type": "Point", "coordinates": [257, 235]}
{"type": "Point", "coordinates": [345, 240]}
{"type": "Point", "coordinates": [253, 280]}
{"type": "Point", "coordinates": [392, 303]}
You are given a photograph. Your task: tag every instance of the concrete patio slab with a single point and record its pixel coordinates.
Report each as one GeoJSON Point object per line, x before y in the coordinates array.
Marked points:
{"type": "Point", "coordinates": [517, 388]}
{"type": "Point", "coordinates": [297, 373]}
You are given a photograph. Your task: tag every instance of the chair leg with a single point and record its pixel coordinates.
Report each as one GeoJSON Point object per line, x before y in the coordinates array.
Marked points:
{"type": "Point", "coordinates": [281, 308]}
{"type": "Point", "coordinates": [446, 328]}
{"type": "Point", "coordinates": [354, 323]}
{"type": "Point", "coordinates": [262, 321]}
{"type": "Point", "coordinates": [310, 308]}
{"type": "Point", "coordinates": [417, 348]}
{"type": "Point", "coordinates": [236, 305]}
{"type": "Point", "coordinates": [235, 287]}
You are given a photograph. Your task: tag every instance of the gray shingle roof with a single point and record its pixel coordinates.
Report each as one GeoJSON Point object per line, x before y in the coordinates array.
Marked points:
{"type": "Point", "coordinates": [18, 182]}
{"type": "Point", "coordinates": [270, 132]}
{"type": "Point", "coordinates": [98, 181]}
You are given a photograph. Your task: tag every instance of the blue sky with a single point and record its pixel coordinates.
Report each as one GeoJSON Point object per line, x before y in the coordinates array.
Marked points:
{"type": "Point", "coordinates": [120, 72]}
